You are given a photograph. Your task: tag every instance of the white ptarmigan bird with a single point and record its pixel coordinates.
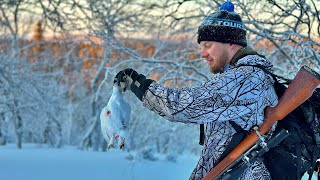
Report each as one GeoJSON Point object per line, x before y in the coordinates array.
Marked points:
{"type": "Point", "coordinates": [114, 119]}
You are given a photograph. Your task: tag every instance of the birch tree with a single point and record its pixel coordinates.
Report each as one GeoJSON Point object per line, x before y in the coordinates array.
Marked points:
{"type": "Point", "coordinates": [288, 30]}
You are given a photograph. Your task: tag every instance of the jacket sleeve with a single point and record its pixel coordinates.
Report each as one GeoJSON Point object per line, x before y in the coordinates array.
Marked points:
{"type": "Point", "coordinates": [240, 93]}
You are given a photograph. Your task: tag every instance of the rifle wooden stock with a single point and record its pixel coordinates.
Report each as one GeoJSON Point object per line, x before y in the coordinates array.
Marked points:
{"type": "Point", "coordinates": [299, 90]}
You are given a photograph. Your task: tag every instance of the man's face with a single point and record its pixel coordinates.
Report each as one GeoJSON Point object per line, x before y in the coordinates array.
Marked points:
{"type": "Point", "coordinates": [216, 54]}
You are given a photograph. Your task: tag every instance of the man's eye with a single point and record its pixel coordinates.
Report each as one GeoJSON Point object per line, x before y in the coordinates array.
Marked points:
{"type": "Point", "coordinates": [207, 45]}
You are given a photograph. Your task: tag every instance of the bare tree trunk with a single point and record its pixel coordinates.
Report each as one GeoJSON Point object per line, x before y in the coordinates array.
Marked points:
{"type": "Point", "coordinates": [58, 143]}
{"type": "Point", "coordinates": [18, 129]}
{"type": "Point", "coordinates": [53, 134]}
{"type": "Point", "coordinates": [3, 134]}
{"type": "Point", "coordinates": [17, 125]}
{"type": "Point", "coordinates": [46, 135]}
{"type": "Point", "coordinates": [86, 141]}
{"type": "Point", "coordinates": [95, 136]}
{"type": "Point", "coordinates": [94, 114]}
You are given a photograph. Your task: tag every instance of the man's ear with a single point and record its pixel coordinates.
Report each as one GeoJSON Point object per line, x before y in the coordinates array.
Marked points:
{"type": "Point", "coordinates": [235, 47]}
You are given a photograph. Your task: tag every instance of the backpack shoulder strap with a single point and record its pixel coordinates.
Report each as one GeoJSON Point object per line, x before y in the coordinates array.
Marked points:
{"type": "Point", "coordinates": [233, 124]}
{"type": "Point", "coordinates": [201, 140]}
{"type": "Point", "coordinates": [262, 68]}
{"type": "Point", "coordinates": [279, 87]}
{"type": "Point", "coordinates": [274, 76]}
{"type": "Point", "coordinates": [236, 126]}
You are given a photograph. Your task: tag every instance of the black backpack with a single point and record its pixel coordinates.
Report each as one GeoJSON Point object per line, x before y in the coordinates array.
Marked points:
{"type": "Point", "coordinates": [299, 152]}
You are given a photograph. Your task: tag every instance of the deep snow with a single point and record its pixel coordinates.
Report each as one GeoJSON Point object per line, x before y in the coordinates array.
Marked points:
{"type": "Point", "coordinates": [37, 162]}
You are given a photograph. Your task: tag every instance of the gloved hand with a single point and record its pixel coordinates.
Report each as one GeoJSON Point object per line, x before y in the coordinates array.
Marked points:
{"type": "Point", "coordinates": [130, 79]}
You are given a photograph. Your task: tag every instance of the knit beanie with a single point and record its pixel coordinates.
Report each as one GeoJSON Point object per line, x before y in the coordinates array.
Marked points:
{"type": "Point", "coordinates": [223, 26]}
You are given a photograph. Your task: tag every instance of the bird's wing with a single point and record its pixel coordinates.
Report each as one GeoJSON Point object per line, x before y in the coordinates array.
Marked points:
{"type": "Point", "coordinates": [116, 116]}
{"type": "Point", "coordinates": [125, 113]}
{"type": "Point", "coordinates": [106, 128]}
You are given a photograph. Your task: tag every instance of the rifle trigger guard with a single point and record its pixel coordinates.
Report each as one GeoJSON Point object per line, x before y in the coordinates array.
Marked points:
{"type": "Point", "coordinates": [263, 143]}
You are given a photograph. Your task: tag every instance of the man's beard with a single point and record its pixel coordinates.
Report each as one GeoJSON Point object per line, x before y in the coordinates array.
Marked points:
{"type": "Point", "coordinates": [216, 70]}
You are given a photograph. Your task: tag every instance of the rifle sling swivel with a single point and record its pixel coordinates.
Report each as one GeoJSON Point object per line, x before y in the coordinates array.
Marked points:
{"type": "Point", "coordinates": [263, 143]}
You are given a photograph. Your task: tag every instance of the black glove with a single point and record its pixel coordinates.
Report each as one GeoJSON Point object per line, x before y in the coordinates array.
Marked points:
{"type": "Point", "coordinates": [130, 79]}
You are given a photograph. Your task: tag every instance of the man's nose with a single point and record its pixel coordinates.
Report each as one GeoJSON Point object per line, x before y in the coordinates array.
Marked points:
{"type": "Point", "coordinates": [204, 54]}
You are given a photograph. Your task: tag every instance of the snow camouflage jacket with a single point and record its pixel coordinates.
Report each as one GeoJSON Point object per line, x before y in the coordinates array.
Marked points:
{"type": "Point", "coordinates": [238, 94]}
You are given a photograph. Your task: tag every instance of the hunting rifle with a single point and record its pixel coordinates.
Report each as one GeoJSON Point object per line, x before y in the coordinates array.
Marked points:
{"type": "Point", "coordinates": [253, 154]}
{"type": "Point", "coordinates": [299, 90]}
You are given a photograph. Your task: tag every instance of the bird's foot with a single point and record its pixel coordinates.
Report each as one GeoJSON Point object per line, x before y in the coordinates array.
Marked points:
{"type": "Point", "coordinates": [110, 146]}
{"type": "Point", "coordinates": [121, 145]}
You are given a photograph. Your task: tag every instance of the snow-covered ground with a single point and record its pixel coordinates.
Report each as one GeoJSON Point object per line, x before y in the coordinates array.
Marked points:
{"type": "Point", "coordinates": [35, 162]}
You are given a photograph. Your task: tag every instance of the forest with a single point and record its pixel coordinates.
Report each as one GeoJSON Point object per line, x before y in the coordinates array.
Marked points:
{"type": "Point", "coordinates": [58, 59]}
